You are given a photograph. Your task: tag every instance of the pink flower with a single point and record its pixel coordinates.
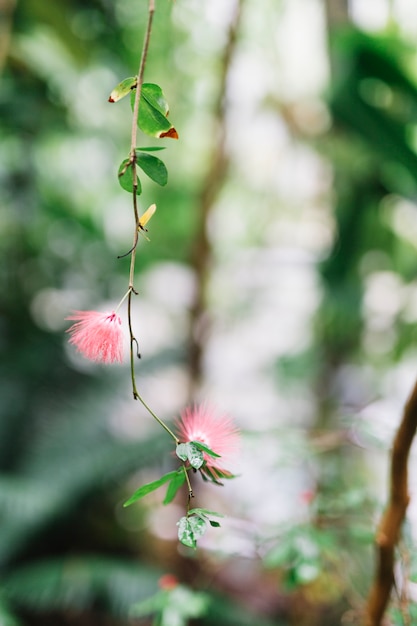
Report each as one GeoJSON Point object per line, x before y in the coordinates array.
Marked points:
{"type": "Point", "coordinates": [217, 431]}
{"type": "Point", "coordinates": [98, 336]}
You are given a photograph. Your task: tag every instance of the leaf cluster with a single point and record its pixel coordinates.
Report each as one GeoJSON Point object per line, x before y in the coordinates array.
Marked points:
{"type": "Point", "coordinates": [153, 121]}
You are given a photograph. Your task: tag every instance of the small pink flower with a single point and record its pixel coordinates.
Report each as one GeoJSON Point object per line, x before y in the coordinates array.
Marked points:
{"type": "Point", "coordinates": [217, 431]}
{"type": "Point", "coordinates": [98, 336]}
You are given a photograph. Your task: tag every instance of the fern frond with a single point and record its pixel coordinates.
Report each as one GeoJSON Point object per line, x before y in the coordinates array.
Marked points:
{"type": "Point", "coordinates": [80, 582]}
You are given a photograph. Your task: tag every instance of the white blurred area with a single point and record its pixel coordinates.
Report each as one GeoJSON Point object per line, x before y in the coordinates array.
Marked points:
{"type": "Point", "coordinates": [270, 227]}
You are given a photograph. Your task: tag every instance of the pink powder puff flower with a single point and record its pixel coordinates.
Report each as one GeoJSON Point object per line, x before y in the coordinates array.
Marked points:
{"type": "Point", "coordinates": [98, 336]}
{"type": "Point", "coordinates": [217, 431]}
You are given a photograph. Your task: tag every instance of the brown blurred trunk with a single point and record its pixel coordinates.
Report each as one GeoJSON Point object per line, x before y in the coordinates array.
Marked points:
{"type": "Point", "coordinates": [390, 527]}
{"type": "Point", "coordinates": [7, 8]}
{"type": "Point", "coordinates": [337, 13]}
{"type": "Point", "coordinates": [202, 253]}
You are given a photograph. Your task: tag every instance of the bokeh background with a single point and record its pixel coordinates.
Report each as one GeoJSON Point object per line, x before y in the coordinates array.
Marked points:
{"type": "Point", "coordinates": [279, 285]}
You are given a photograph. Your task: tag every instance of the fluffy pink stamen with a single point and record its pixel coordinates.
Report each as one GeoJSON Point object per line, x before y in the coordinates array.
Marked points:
{"type": "Point", "coordinates": [217, 431]}
{"type": "Point", "coordinates": [97, 336]}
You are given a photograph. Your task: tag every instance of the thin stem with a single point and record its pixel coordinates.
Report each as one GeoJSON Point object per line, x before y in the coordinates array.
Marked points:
{"type": "Point", "coordinates": [190, 489]}
{"type": "Point", "coordinates": [132, 164]}
{"type": "Point", "coordinates": [160, 422]}
{"type": "Point", "coordinates": [132, 342]}
{"type": "Point", "coordinates": [141, 72]}
{"type": "Point", "coordinates": [122, 300]}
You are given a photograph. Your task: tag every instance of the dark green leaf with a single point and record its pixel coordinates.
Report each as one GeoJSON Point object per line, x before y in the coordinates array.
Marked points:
{"type": "Point", "coordinates": [214, 524]}
{"type": "Point", "coordinates": [126, 178]}
{"type": "Point", "coordinates": [206, 449]}
{"type": "Point", "coordinates": [145, 489]}
{"type": "Point", "coordinates": [153, 111]}
{"type": "Point", "coordinates": [154, 95]}
{"type": "Point", "coordinates": [122, 89]}
{"type": "Point", "coordinates": [175, 484]}
{"type": "Point", "coordinates": [153, 167]}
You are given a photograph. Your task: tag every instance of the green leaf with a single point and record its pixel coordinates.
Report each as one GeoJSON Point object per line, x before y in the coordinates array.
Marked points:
{"type": "Point", "coordinates": [122, 89]}
{"type": "Point", "coordinates": [154, 604]}
{"type": "Point", "coordinates": [175, 484]}
{"type": "Point", "coordinates": [151, 148]}
{"type": "Point", "coordinates": [188, 451]}
{"type": "Point", "coordinates": [154, 95]}
{"type": "Point", "coordinates": [182, 451]}
{"type": "Point", "coordinates": [282, 554]}
{"type": "Point", "coordinates": [125, 175]}
{"type": "Point", "coordinates": [198, 526]}
{"type": "Point", "coordinates": [153, 111]}
{"type": "Point", "coordinates": [214, 524]}
{"type": "Point", "coordinates": [204, 512]}
{"type": "Point", "coordinates": [206, 449]}
{"type": "Point", "coordinates": [153, 167]}
{"type": "Point", "coordinates": [190, 529]}
{"type": "Point", "coordinates": [195, 456]}
{"type": "Point", "coordinates": [145, 489]}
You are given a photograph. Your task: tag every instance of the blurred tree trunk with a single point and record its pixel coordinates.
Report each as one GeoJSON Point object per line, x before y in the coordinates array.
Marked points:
{"type": "Point", "coordinates": [6, 15]}
{"type": "Point", "coordinates": [202, 251]}
{"type": "Point", "coordinates": [337, 12]}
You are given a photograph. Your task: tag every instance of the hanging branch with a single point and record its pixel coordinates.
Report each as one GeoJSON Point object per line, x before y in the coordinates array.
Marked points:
{"type": "Point", "coordinates": [99, 336]}
{"type": "Point", "coordinates": [390, 527]}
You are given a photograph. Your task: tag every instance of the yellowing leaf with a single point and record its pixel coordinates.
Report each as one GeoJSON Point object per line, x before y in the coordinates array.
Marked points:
{"type": "Point", "coordinates": [122, 89]}
{"type": "Point", "coordinates": [144, 219]}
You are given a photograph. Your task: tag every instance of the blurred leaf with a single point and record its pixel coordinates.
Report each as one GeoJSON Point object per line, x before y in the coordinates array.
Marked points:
{"type": "Point", "coordinates": [213, 475]}
{"type": "Point", "coordinates": [125, 175]}
{"type": "Point", "coordinates": [75, 583]}
{"type": "Point", "coordinates": [280, 555]}
{"type": "Point", "coordinates": [149, 487]}
{"type": "Point", "coordinates": [176, 483]}
{"type": "Point", "coordinates": [224, 611]}
{"type": "Point", "coordinates": [153, 167]}
{"type": "Point", "coordinates": [204, 513]}
{"type": "Point", "coordinates": [151, 148]}
{"type": "Point", "coordinates": [7, 617]}
{"type": "Point", "coordinates": [174, 607]}
{"type": "Point", "coordinates": [206, 449]}
{"type": "Point", "coordinates": [123, 89]}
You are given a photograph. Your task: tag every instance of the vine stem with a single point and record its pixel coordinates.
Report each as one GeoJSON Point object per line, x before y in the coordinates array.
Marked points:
{"type": "Point", "coordinates": [132, 164]}
{"type": "Point", "coordinates": [160, 422]}
{"type": "Point", "coordinates": [190, 489]}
